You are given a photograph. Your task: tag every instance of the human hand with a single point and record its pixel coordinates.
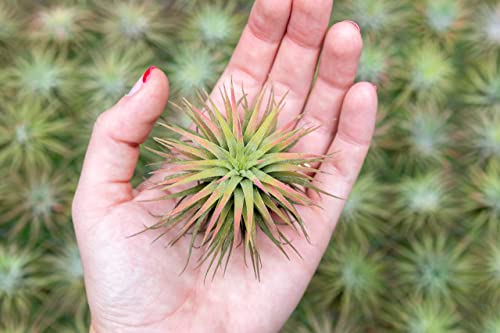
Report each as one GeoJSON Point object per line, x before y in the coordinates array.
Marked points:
{"type": "Point", "coordinates": [133, 283]}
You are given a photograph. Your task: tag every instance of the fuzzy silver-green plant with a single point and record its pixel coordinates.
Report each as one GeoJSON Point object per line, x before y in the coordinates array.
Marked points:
{"type": "Point", "coordinates": [20, 281]}
{"type": "Point", "coordinates": [424, 316]}
{"type": "Point", "coordinates": [435, 267]}
{"type": "Point", "coordinates": [426, 200]}
{"type": "Point", "coordinates": [429, 75]}
{"type": "Point", "coordinates": [193, 70]}
{"type": "Point", "coordinates": [30, 135]}
{"type": "Point", "coordinates": [35, 201]}
{"type": "Point", "coordinates": [134, 22]}
{"type": "Point", "coordinates": [352, 275]}
{"type": "Point", "coordinates": [110, 75]}
{"type": "Point", "coordinates": [40, 74]}
{"type": "Point", "coordinates": [484, 135]}
{"type": "Point", "coordinates": [364, 211]}
{"type": "Point", "coordinates": [374, 16]}
{"type": "Point", "coordinates": [64, 272]}
{"type": "Point", "coordinates": [482, 87]}
{"type": "Point", "coordinates": [216, 25]}
{"type": "Point", "coordinates": [489, 321]}
{"type": "Point", "coordinates": [9, 28]}
{"type": "Point", "coordinates": [425, 140]}
{"type": "Point", "coordinates": [484, 35]}
{"type": "Point", "coordinates": [487, 266]}
{"type": "Point", "coordinates": [375, 62]}
{"type": "Point", "coordinates": [241, 176]}
{"type": "Point", "coordinates": [482, 191]}
{"type": "Point", "coordinates": [443, 19]}
{"type": "Point", "coordinates": [60, 24]}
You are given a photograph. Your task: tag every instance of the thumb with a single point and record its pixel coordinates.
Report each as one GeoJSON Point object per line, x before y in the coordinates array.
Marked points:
{"type": "Point", "coordinates": [113, 150]}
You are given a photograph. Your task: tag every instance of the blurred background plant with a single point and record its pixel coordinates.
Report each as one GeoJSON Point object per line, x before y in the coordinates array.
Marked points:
{"type": "Point", "coordinates": [417, 248]}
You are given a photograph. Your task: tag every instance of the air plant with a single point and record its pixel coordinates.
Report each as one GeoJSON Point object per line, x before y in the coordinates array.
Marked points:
{"type": "Point", "coordinates": [375, 16]}
{"type": "Point", "coordinates": [482, 87]}
{"type": "Point", "coordinates": [61, 25]}
{"type": "Point", "coordinates": [443, 19]}
{"type": "Point", "coordinates": [352, 275]}
{"type": "Point", "coordinates": [487, 264]}
{"type": "Point", "coordinates": [40, 74]}
{"type": "Point", "coordinates": [437, 268]}
{"type": "Point", "coordinates": [383, 142]}
{"type": "Point", "coordinates": [426, 137]}
{"type": "Point", "coordinates": [36, 200]}
{"type": "Point", "coordinates": [424, 316]}
{"type": "Point", "coordinates": [484, 36]}
{"type": "Point", "coordinates": [484, 136]}
{"type": "Point", "coordinates": [8, 29]}
{"type": "Point", "coordinates": [243, 173]}
{"type": "Point", "coordinates": [430, 74]}
{"type": "Point", "coordinates": [127, 23]}
{"type": "Point", "coordinates": [193, 71]}
{"type": "Point", "coordinates": [65, 278]}
{"type": "Point", "coordinates": [489, 321]}
{"type": "Point", "coordinates": [216, 25]}
{"type": "Point", "coordinates": [364, 211]}
{"type": "Point", "coordinates": [424, 200]}
{"type": "Point", "coordinates": [375, 62]}
{"type": "Point", "coordinates": [30, 135]}
{"type": "Point", "coordinates": [110, 76]}
{"type": "Point", "coordinates": [483, 193]}
{"type": "Point", "coordinates": [20, 281]}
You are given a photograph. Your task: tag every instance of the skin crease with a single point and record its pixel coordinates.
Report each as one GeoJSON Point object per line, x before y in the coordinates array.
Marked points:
{"type": "Point", "coordinates": [133, 284]}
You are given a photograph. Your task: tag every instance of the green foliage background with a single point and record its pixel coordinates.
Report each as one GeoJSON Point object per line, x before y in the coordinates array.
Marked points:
{"type": "Point", "coordinates": [418, 246]}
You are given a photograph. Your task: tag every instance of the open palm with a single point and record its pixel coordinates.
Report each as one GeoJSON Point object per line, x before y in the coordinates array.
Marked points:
{"type": "Point", "coordinates": [133, 284]}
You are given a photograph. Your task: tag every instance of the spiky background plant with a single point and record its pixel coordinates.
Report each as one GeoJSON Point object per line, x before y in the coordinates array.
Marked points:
{"type": "Point", "coordinates": [30, 134]}
{"type": "Point", "coordinates": [433, 170]}
{"type": "Point", "coordinates": [243, 173]}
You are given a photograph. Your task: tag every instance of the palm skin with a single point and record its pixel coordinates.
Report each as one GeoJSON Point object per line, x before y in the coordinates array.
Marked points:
{"type": "Point", "coordinates": [133, 283]}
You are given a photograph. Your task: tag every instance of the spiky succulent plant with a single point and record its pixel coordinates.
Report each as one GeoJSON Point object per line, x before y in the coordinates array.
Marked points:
{"type": "Point", "coordinates": [40, 74]}
{"type": "Point", "coordinates": [242, 180]}
{"type": "Point", "coordinates": [128, 23]}
{"type": "Point", "coordinates": [485, 29]}
{"type": "Point", "coordinates": [483, 194]}
{"type": "Point", "coordinates": [489, 321]}
{"type": "Point", "coordinates": [9, 27]}
{"type": "Point", "coordinates": [64, 272]}
{"type": "Point", "coordinates": [20, 281]}
{"type": "Point", "coordinates": [363, 214]}
{"type": "Point", "coordinates": [353, 275]}
{"type": "Point", "coordinates": [426, 137]}
{"type": "Point", "coordinates": [484, 142]}
{"type": "Point", "coordinates": [217, 25]}
{"type": "Point", "coordinates": [192, 71]}
{"type": "Point", "coordinates": [110, 76]}
{"type": "Point", "coordinates": [435, 267]}
{"type": "Point", "coordinates": [374, 16]}
{"type": "Point", "coordinates": [482, 87]}
{"type": "Point", "coordinates": [487, 265]}
{"type": "Point", "coordinates": [30, 135]}
{"type": "Point", "coordinates": [60, 24]}
{"type": "Point", "coordinates": [424, 200]}
{"type": "Point", "coordinates": [35, 200]}
{"type": "Point", "coordinates": [443, 18]}
{"type": "Point", "coordinates": [430, 75]}
{"type": "Point", "coordinates": [375, 62]}
{"type": "Point", "coordinates": [424, 316]}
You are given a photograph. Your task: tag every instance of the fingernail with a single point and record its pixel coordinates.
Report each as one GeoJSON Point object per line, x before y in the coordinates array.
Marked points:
{"type": "Point", "coordinates": [354, 24]}
{"type": "Point", "coordinates": [137, 86]}
{"type": "Point", "coordinates": [147, 73]}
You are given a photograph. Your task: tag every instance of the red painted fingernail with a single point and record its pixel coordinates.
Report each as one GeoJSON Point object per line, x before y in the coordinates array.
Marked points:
{"type": "Point", "coordinates": [354, 24]}
{"type": "Point", "coordinates": [147, 73]}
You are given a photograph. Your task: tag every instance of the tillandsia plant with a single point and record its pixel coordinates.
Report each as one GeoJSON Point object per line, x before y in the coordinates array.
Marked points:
{"type": "Point", "coordinates": [8, 29]}
{"type": "Point", "coordinates": [242, 180]}
{"type": "Point", "coordinates": [485, 33]}
{"type": "Point", "coordinates": [487, 265]}
{"type": "Point", "coordinates": [482, 86]}
{"type": "Point", "coordinates": [61, 25]}
{"type": "Point", "coordinates": [485, 135]}
{"type": "Point", "coordinates": [30, 134]}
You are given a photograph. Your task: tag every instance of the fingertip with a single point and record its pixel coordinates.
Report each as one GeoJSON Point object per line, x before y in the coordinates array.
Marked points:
{"type": "Point", "coordinates": [344, 40]}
